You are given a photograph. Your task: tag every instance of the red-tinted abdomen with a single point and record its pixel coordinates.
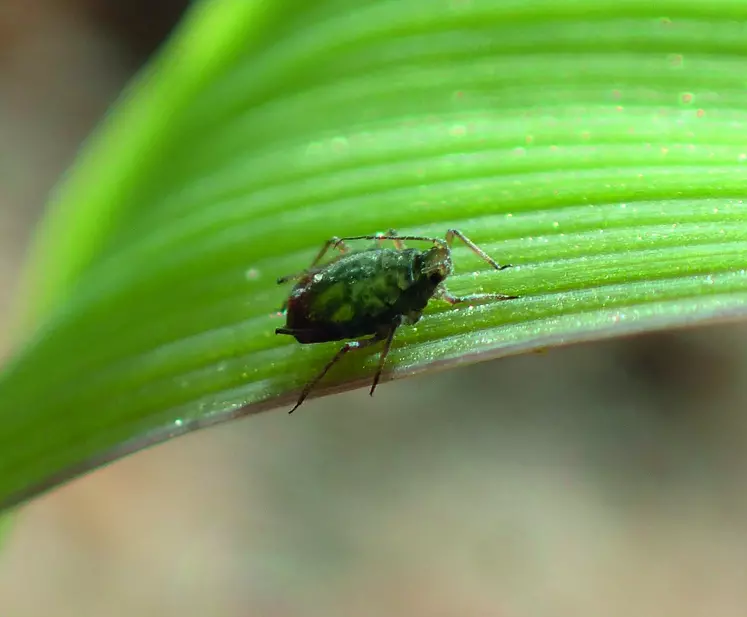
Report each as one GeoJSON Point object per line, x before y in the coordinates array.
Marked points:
{"type": "Point", "coordinates": [357, 295]}
{"type": "Point", "coordinates": [306, 329]}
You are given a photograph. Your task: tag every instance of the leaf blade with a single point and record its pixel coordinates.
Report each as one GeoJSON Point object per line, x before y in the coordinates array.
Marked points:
{"type": "Point", "coordinates": [608, 166]}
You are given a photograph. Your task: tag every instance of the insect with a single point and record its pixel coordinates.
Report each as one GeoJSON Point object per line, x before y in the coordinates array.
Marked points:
{"type": "Point", "coordinates": [370, 293]}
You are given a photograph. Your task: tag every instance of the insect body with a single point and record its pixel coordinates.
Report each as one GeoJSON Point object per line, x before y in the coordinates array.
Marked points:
{"type": "Point", "coordinates": [370, 293]}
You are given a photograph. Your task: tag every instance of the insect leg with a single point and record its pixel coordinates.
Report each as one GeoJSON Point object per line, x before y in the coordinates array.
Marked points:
{"type": "Point", "coordinates": [452, 233]}
{"type": "Point", "coordinates": [341, 352]}
{"type": "Point", "coordinates": [385, 352]}
{"type": "Point", "coordinates": [333, 242]}
{"type": "Point", "coordinates": [396, 237]}
{"type": "Point", "coordinates": [392, 233]}
{"type": "Point", "coordinates": [445, 295]}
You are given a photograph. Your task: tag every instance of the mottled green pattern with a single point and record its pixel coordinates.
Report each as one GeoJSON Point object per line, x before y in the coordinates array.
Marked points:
{"type": "Point", "coordinates": [360, 287]}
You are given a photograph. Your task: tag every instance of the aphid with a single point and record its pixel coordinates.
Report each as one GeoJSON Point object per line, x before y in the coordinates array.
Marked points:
{"type": "Point", "coordinates": [370, 293]}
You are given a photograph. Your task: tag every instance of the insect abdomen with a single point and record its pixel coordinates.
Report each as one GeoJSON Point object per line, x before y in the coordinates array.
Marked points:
{"type": "Point", "coordinates": [354, 297]}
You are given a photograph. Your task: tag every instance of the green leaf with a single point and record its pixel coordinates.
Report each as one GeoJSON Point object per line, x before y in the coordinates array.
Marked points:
{"type": "Point", "coordinates": [598, 146]}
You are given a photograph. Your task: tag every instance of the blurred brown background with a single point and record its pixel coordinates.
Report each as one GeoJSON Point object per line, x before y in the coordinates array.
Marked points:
{"type": "Point", "coordinates": [599, 480]}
